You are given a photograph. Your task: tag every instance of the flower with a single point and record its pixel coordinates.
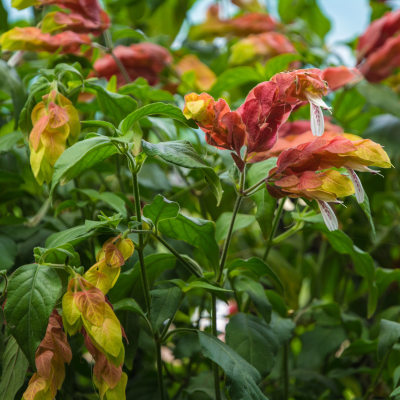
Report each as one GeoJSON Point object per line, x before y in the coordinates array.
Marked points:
{"type": "Point", "coordinates": [337, 77]}
{"type": "Point", "coordinates": [110, 259]}
{"type": "Point", "coordinates": [32, 39]}
{"type": "Point", "coordinates": [75, 22]}
{"type": "Point", "coordinates": [50, 357]}
{"type": "Point", "coordinates": [141, 59]}
{"type": "Point", "coordinates": [55, 124]}
{"type": "Point", "coordinates": [304, 85]}
{"type": "Point", "coordinates": [204, 76]}
{"type": "Point", "coordinates": [260, 47]}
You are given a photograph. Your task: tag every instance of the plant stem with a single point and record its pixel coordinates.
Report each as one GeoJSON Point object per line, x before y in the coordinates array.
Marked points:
{"type": "Point", "coordinates": [286, 371]}
{"type": "Point", "coordinates": [377, 376]}
{"type": "Point", "coordinates": [160, 372]}
{"type": "Point", "coordinates": [145, 281]}
{"type": "Point", "coordinates": [214, 332]}
{"type": "Point", "coordinates": [255, 186]}
{"type": "Point", "coordinates": [179, 257]}
{"type": "Point", "coordinates": [274, 229]}
{"type": "Point", "coordinates": [121, 184]}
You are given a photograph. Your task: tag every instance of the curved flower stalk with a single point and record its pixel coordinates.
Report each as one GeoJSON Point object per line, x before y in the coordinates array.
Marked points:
{"type": "Point", "coordinates": [104, 274]}
{"type": "Point", "coordinates": [142, 59]}
{"type": "Point", "coordinates": [55, 125]}
{"type": "Point", "coordinates": [51, 355]}
{"type": "Point", "coordinates": [260, 47]}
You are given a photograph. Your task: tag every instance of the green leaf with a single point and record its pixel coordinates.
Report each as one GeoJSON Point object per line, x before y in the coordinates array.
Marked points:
{"type": "Point", "coordinates": [156, 108]}
{"type": "Point", "coordinates": [31, 296]}
{"type": "Point", "coordinates": [164, 304]}
{"type": "Point", "coordinates": [235, 77]}
{"type": "Point", "coordinates": [182, 153]}
{"type": "Point", "coordinates": [10, 83]}
{"type": "Point", "coordinates": [8, 251]}
{"type": "Point", "coordinates": [161, 209]}
{"type": "Point", "coordinates": [256, 293]}
{"type": "Point", "coordinates": [367, 210]}
{"type": "Point", "coordinates": [395, 392]}
{"type": "Point", "coordinates": [128, 305]}
{"type": "Point", "coordinates": [253, 340]}
{"type": "Point", "coordinates": [74, 236]}
{"type": "Point", "coordinates": [114, 105]}
{"type": "Point", "coordinates": [197, 232]}
{"type": "Point", "coordinates": [282, 327]}
{"type": "Point", "coordinates": [266, 204]}
{"type": "Point", "coordinates": [62, 67]}
{"type": "Point", "coordinates": [114, 201]}
{"type": "Point", "coordinates": [14, 366]}
{"type": "Point", "coordinates": [279, 64]}
{"type": "Point", "coordinates": [258, 267]}
{"type": "Point", "coordinates": [7, 141]}
{"type": "Point", "coordinates": [361, 347]}
{"type": "Point", "coordinates": [124, 33]}
{"type": "Point", "coordinates": [222, 225]}
{"type": "Point", "coordinates": [101, 124]}
{"type": "Point", "coordinates": [317, 21]}
{"type": "Point", "coordinates": [79, 158]}
{"type": "Point", "coordinates": [389, 334]}
{"type": "Point", "coordinates": [363, 262]}
{"type": "Point", "coordinates": [241, 377]}
{"type": "Point", "coordinates": [129, 283]}
{"type": "Point", "coordinates": [381, 96]}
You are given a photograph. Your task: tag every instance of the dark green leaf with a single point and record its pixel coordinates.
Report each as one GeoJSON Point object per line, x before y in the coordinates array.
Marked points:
{"type": "Point", "coordinates": [197, 232]}
{"type": "Point", "coordinates": [367, 210]}
{"type": "Point", "coordinates": [156, 108]}
{"type": "Point", "coordinates": [8, 251]}
{"type": "Point", "coordinates": [62, 67]}
{"type": "Point", "coordinates": [253, 340]}
{"type": "Point", "coordinates": [14, 366]}
{"type": "Point", "coordinates": [256, 293]}
{"type": "Point", "coordinates": [258, 267]}
{"type": "Point", "coordinates": [182, 153]}
{"type": "Point", "coordinates": [279, 64]}
{"type": "Point", "coordinates": [389, 334]}
{"type": "Point", "coordinates": [80, 157]}
{"type": "Point", "coordinates": [114, 105]}
{"type": "Point", "coordinates": [74, 236]}
{"type": "Point", "coordinates": [161, 209]}
{"type": "Point", "coordinates": [164, 305]}
{"type": "Point", "coordinates": [7, 141]}
{"type": "Point", "coordinates": [124, 33]}
{"type": "Point", "coordinates": [128, 305]}
{"type": "Point", "coordinates": [241, 377]}
{"type": "Point", "coordinates": [101, 124]}
{"type": "Point", "coordinates": [222, 225]}
{"type": "Point", "coordinates": [31, 296]}
{"type": "Point", "coordinates": [282, 327]}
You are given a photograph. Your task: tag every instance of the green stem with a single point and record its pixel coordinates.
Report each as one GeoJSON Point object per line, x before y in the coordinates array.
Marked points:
{"type": "Point", "coordinates": [274, 229]}
{"type": "Point", "coordinates": [286, 371]}
{"type": "Point", "coordinates": [145, 281]}
{"type": "Point", "coordinates": [194, 271]}
{"type": "Point", "coordinates": [255, 186]}
{"type": "Point", "coordinates": [160, 372]}
{"type": "Point", "coordinates": [121, 184]}
{"type": "Point", "coordinates": [295, 228]}
{"type": "Point", "coordinates": [377, 376]}
{"type": "Point", "coordinates": [215, 365]}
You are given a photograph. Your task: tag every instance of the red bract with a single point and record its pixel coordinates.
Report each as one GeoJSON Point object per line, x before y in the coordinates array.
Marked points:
{"type": "Point", "coordinates": [337, 77]}
{"type": "Point", "coordinates": [143, 59]}
{"type": "Point", "coordinates": [32, 39]}
{"type": "Point", "coordinates": [74, 22]}
{"type": "Point", "coordinates": [377, 33]}
{"type": "Point", "coordinates": [252, 23]}
{"type": "Point", "coordinates": [380, 64]}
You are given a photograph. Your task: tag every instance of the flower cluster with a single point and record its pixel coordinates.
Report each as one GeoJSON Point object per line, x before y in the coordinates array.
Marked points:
{"type": "Point", "coordinates": [260, 48]}
{"type": "Point", "coordinates": [142, 59]}
{"type": "Point", "coordinates": [51, 355]}
{"type": "Point", "coordinates": [297, 171]}
{"type": "Point", "coordinates": [243, 25]}
{"type": "Point", "coordinates": [378, 48]}
{"type": "Point", "coordinates": [55, 124]}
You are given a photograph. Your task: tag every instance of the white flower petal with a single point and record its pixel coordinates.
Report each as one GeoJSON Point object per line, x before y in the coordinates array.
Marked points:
{"type": "Point", "coordinates": [317, 120]}
{"type": "Point", "coordinates": [357, 185]}
{"type": "Point", "coordinates": [328, 215]}
{"type": "Point", "coordinates": [313, 98]}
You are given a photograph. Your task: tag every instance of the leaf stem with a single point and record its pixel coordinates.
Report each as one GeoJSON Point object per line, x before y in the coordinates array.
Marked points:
{"type": "Point", "coordinates": [178, 256]}
{"type": "Point", "coordinates": [274, 229]}
{"type": "Point", "coordinates": [255, 186]}
{"type": "Point", "coordinates": [215, 333]}
{"type": "Point", "coordinates": [160, 372]}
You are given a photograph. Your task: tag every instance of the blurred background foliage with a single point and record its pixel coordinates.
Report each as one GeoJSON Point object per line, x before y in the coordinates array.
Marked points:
{"type": "Point", "coordinates": [330, 347]}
